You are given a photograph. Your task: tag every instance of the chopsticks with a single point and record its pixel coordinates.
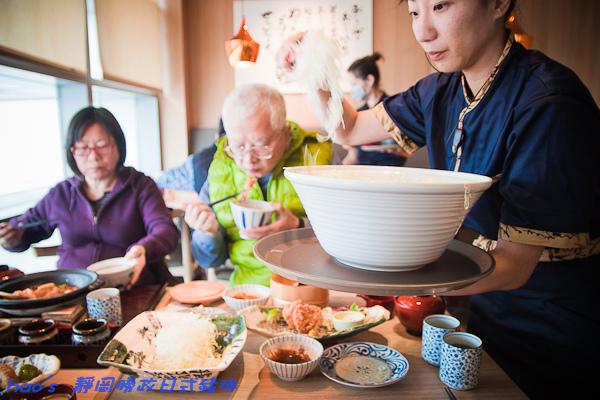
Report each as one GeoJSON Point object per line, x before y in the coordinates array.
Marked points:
{"type": "Point", "coordinates": [32, 224]}
{"type": "Point", "coordinates": [223, 199]}
{"type": "Point", "coordinates": [449, 393]}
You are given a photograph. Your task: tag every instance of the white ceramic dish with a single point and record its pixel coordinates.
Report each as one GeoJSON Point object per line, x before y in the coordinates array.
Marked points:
{"type": "Point", "coordinates": [385, 218]}
{"type": "Point", "coordinates": [363, 365]}
{"type": "Point", "coordinates": [291, 372]}
{"type": "Point", "coordinates": [132, 349]}
{"type": "Point", "coordinates": [380, 147]}
{"type": "Point", "coordinates": [116, 272]}
{"type": "Point", "coordinates": [344, 320]}
{"type": "Point", "coordinates": [251, 213]}
{"type": "Point", "coordinates": [48, 366]}
{"type": "Point", "coordinates": [255, 317]}
{"type": "Point", "coordinates": [249, 289]}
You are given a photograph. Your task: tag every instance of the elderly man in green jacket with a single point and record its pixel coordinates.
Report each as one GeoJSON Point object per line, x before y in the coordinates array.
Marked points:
{"type": "Point", "coordinates": [259, 143]}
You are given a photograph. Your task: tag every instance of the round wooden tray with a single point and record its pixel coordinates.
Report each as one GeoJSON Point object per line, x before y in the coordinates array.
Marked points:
{"type": "Point", "coordinates": [297, 255]}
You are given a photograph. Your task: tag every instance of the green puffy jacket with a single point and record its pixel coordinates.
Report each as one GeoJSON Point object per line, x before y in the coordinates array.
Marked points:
{"type": "Point", "coordinates": [226, 178]}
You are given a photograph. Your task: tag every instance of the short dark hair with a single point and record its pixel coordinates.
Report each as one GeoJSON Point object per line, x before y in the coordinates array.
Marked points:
{"type": "Point", "coordinates": [80, 123]}
{"type": "Point", "coordinates": [366, 66]}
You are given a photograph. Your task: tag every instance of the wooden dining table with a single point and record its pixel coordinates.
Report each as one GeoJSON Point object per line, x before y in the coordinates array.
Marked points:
{"type": "Point", "coordinates": [253, 380]}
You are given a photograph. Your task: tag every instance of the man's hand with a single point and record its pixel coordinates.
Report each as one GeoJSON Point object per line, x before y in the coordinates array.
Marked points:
{"type": "Point", "coordinates": [284, 221]}
{"type": "Point", "coordinates": [199, 216]}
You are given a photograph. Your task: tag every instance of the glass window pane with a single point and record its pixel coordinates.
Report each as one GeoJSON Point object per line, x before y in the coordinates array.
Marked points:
{"type": "Point", "coordinates": [138, 116]}
{"type": "Point", "coordinates": [33, 109]}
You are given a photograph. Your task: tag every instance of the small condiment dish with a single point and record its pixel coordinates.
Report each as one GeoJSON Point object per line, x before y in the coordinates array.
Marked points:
{"type": "Point", "coordinates": [291, 351]}
{"type": "Point", "coordinates": [242, 296]}
{"type": "Point", "coordinates": [344, 320]}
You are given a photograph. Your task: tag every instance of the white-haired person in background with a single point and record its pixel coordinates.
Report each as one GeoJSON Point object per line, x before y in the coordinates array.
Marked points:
{"type": "Point", "coordinates": [259, 143]}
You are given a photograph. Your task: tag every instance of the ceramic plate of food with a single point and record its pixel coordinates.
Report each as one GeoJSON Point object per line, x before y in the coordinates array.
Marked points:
{"type": "Point", "coordinates": [176, 345]}
{"type": "Point", "coordinates": [306, 319]}
{"type": "Point", "coordinates": [33, 369]}
{"type": "Point", "coordinates": [363, 364]}
{"type": "Point", "coordinates": [197, 292]}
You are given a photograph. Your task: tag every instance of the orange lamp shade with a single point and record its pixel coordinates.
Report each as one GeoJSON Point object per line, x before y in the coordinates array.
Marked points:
{"type": "Point", "coordinates": [520, 35]}
{"type": "Point", "coordinates": [242, 50]}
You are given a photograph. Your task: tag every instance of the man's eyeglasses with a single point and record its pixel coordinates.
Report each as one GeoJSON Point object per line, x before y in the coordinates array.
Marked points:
{"type": "Point", "coordinates": [84, 151]}
{"type": "Point", "coordinates": [260, 152]}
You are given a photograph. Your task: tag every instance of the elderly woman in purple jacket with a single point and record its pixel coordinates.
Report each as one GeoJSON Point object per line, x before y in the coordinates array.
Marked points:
{"type": "Point", "coordinates": [106, 210]}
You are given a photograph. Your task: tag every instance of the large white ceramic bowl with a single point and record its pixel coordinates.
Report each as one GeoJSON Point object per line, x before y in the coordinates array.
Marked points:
{"type": "Point", "coordinates": [385, 218]}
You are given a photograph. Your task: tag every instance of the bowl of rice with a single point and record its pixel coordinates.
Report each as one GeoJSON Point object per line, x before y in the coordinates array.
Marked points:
{"type": "Point", "coordinates": [385, 218]}
{"type": "Point", "coordinates": [175, 347]}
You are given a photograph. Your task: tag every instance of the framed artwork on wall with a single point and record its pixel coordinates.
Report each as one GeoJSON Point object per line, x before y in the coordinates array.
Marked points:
{"type": "Point", "coordinates": [348, 22]}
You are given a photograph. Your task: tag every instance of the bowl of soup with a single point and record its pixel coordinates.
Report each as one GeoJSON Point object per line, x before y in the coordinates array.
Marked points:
{"type": "Point", "coordinates": [249, 294]}
{"type": "Point", "coordinates": [385, 218]}
{"type": "Point", "coordinates": [291, 357]}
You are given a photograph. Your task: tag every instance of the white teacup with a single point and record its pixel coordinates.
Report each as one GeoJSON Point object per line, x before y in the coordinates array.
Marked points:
{"type": "Point", "coordinates": [251, 214]}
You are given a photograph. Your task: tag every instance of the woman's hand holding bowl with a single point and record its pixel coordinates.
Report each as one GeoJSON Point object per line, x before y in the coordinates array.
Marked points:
{"type": "Point", "coordinates": [136, 252]}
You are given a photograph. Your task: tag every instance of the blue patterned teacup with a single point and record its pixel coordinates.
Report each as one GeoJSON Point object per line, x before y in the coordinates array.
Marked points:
{"type": "Point", "coordinates": [434, 328]}
{"type": "Point", "coordinates": [105, 304]}
{"type": "Point", "coordinates": [460, 360]}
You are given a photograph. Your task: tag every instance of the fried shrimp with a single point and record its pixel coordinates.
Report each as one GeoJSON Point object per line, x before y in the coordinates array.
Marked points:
{"type": "Point", "coordinates": [302, 316]}
{"type": "Point", "coordinates": [248, 183]}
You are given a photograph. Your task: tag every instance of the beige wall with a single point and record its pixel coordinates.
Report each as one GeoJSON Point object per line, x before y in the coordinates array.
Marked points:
{"type": "Point", "coordinates": [563, 30]}
{"type": "Point", "coordinates": [173, 102]}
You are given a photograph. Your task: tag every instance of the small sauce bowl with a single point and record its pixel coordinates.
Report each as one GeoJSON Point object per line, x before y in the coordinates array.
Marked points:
{"type": "Point", "coordinates": [343, 320]}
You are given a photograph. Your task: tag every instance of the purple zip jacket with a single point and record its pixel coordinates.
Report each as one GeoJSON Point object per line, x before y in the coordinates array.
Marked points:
{"type": "Point", "coordinates": [135, 214]}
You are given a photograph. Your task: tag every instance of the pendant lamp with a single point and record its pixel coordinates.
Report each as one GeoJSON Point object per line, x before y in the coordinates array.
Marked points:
{"type": "Point", "coordinates": [241, 49]}
{"type": "Point", "coordinates": [520, 35]}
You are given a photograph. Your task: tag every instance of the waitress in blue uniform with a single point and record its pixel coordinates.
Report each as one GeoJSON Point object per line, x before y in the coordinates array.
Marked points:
{"type": "Point", "coordinates": [499, 110]}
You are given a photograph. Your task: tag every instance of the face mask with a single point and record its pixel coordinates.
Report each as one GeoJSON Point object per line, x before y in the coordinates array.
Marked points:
{"type": "Point", "coordinates": [358, 92]}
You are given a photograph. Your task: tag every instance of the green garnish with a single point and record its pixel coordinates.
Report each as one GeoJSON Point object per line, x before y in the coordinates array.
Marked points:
{"type": "Point", "coordinates": [354, 307]}
{"type": "Point", "coordinates": [273, 315]}
{"type": "Point", "coordinates": [27, 372]}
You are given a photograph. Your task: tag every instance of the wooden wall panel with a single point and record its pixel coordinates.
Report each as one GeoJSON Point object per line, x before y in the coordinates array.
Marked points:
{"type": "Point", "coordinates": [208, 24]}
{"type": "Point", "coordinates": [568, 33]}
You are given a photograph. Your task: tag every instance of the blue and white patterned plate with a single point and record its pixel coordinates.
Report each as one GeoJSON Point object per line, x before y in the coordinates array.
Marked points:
{"type": "Point", "coordinates": [364, 365]}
